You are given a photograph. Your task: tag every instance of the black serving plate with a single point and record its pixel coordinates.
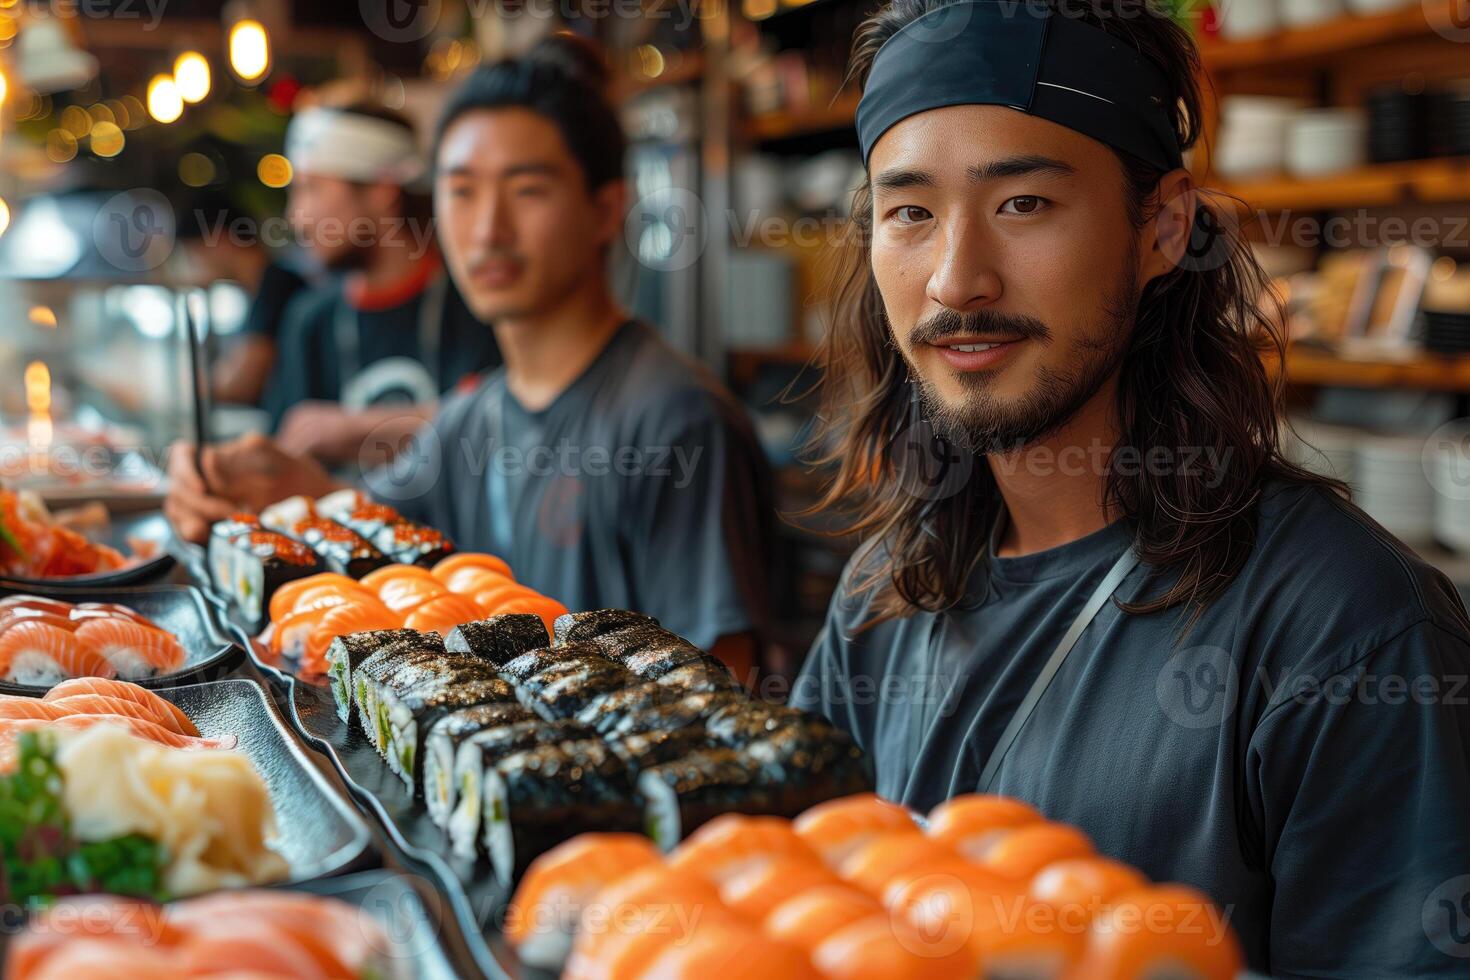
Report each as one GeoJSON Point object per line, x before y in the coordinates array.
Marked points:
{"type": "Point", "coordinates": [153, 527]}
{"type": "Point", "coordinates": [181, 609]}
{"type": "Point", "coordinates": [318, 832]}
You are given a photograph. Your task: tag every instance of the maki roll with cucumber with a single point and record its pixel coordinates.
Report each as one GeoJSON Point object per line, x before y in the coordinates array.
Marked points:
{"type": "Point", "coordinates": [443, 741]}
{"type": "Point", "coordinates": [423, 704]}
{"type": "Point", "coordinates": [680, 796]}
{"type": "Point", "coordinates": [263, 561]}
{"type": "Point", "coordinates": [346, 653]}
{"type": "Point", "coordinates": [738, 724]}
{"type": "Point", "coordinates": [480, 753]}
{"type": "Point", "coordinates": [564, 688]}
{"type": "Point", "coordinates": [577, 627]}
{"type": "Point", "coordinates": [606, 713]}
{"type": "Point", "coordinates": [654, 662]}
{"type": "Point", "coordinates": [810, 762]}
{"type": "Point", "coordinates": [532, 662]}
{"type": "Point", "coordinates": [691, 709]}
{"type": "Point", "coordinates": [627, 641]}
{"type": "Point", "coordinates": [655, 748]}
{"type": "Point", "coordinates": [341, 549]}
{"type": "Point", "coordinates": [702, 675]}
{"type": "Point", "coordinates": [499, 639]}
{"type": "Point", "coordinates": [386, 691]}
{"type": "Point", "coordinates": [534, 800]}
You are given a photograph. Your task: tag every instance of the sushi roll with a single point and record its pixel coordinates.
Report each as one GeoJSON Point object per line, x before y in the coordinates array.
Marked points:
{"type": "Point", "coordinates": [625, 641]}
{"type": "Point", "coordinates": [283, 515]}
{"type": "Point", "coordinates": [341, 549]}
{"type": "Point", "coordinates": [221, 552]}
{"type": "Point", "coordinates": [566, 687]}
{"type": "Point", "coordinates": [811, 762]}
{"type": "Point", "coordinates": [346, 653]}
{"type": "Point", "coordinates": [388, 692]}
{"type": "Point", "coordinates": [705, 674]}
{"type": "Point", "coordinates": [606, 713]}
{"type": "Point", "coordinates": [535, 661]}
{"type": "Point", "coordinates": [738, 724]}
{"type": "Point", "coordinates": [443, 741]}
{"type": "Point", "coordinates": [263, 562]}
{"type": "Point", "coordinates": [499, 639]}
{"type": "Point", "coordinates": [576, 627]}
{"type": "Point", "coordinates": [481, 752]}
{"type": "Point", "coordinates": [536, 799]}
{"type": "Point", "coordinates": [689, 710]}
{"type": "Point", "coordinates": [405, 541]}
{"type": "Point", "coordinates": [682, 795]}
{"type": "Point", "coordinates": [654, 662]}
{"type": "Point", "coordinates": [412, 714]}
{"type": "Point", "coordinates": [649, 749]}
{"type": "Point", "coordinates": [421, 649]}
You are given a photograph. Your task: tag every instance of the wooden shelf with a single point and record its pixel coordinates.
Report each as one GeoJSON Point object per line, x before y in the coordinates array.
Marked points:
{"type": "Point", "coordinates": [1302, 47]}
{"type": "Point", "coordinates": [818, 119]}
{"type": "Point", "coordinates": [690, 68]}
{"type": "Point", "coordinates": [1423, 181]}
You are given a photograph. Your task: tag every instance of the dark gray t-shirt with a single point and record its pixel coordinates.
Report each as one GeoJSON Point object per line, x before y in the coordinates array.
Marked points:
{"type": "Point", "coordinates": [1303, 755]}
{"type": "Point", "coordinates": [641, 487]}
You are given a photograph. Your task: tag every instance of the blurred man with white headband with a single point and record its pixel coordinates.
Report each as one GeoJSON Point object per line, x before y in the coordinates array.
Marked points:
{"type": "Point", "coordinates": [372, 353]}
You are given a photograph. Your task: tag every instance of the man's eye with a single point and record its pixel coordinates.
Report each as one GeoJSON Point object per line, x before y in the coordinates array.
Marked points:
{"type": "Point", "coordinates": [1026, 204]}
{"type": "Point", "coordinates": [911, 214]}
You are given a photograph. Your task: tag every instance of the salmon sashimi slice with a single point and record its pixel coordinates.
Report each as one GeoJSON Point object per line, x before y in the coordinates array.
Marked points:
{"type": "Point", "coordinates": [407, 591]}
{"type": "Point", "coordinates": [443, 613]}
{"type": "Point", "coordinates": [133, 649]}
{"type": "Point", "coordinates": [289, 635]}
{"type": "Point", "coordinates": [14, 707]}
{"type": "Point", "coordinates": [446, 567]}
{"type": "Point", "coordinates": [101, 704]}
{"type": "Point", "coordinates": [351, 617]}
{"type": "Point", "coordinates": [10, 617]}
{"type": "Point", "coordinates": [374, 581]}
{"type": "Point", "coordinates": [33, 604]}
{"type": "Point", "coordinates": [37, 653]}
{"type": "Point", "coordinates": [283, 600]}
{"type": "Point", "coordinates": [472, 578]}
{"type": "Point", "coordinates": [90, 610]}
{"type": "Point", "coordinates": [126, 692]}
{"type": "Point", "coordinates": [500, 593]}
{"type": "Point", "coordinates": [137, 727]}
{"type": "Point", "coordinates": [329, 931]}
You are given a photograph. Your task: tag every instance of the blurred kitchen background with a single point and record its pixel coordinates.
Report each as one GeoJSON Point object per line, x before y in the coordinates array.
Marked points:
{"type": "Point", "coordinates": [1342, 128]}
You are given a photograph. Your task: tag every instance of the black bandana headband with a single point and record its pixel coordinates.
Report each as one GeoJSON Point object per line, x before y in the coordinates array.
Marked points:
{"type": "Point", "coordinates": [1015, 53]}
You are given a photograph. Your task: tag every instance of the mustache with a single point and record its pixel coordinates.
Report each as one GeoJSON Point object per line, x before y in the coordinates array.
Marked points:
{"type": "Point", "coordinates": [953, 323]}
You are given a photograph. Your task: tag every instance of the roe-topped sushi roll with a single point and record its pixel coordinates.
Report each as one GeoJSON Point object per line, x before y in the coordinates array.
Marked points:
{"type": "Point", "coordinates": [340, 548]}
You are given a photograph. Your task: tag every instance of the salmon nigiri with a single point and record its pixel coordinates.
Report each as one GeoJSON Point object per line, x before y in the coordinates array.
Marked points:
{"type": "Point", "coordinates": [133, 650]}
{"type": "Point", "coordinates": [972, 823]}
{"type": "Point", "coordinates": [838, 827]}
{"type": "Point", "coordinates": [472, 579]}
{"type": "Point", "coordinates": [808, 918]}
{"type": "Point", "coordinates": [731, 952]}
{"type": "Point", "coordinates": [333, 934]}
{"type": "Point", "coordinates": [878, 948]}
{"type": "Point", "coordinates": [14, 707]}
{"type": "Point", "coordinates": [35, 653]}
{"type": "Point", "coordinates": [99, 704]}
{"type": "Point", "coordinates": [731, 843]}
{"type": "Point", "coordinates": [142, 729]}
{"type": "Point", "coordinates": [283, 600]}
{"type": "Point", "coordinates": [542, 915]}
{"type": "Point", "coordinates": [447, 567]}
{"type": "Point", "coordinates": [407, 591]}
{"type": "Point", "coordinates": [10, 617]}
{"type": "Point", "coordinates": [357, 616]}
{"type": "Point", "coordinates": [127, 692]}
{"type": "Point", "coordinates": [544, 606]}
{"type": "Point", "coordinates": [375, 580]}
{"type": "Point", "coordinates": [754, 892]}
{"type": "Point", "coordinates": [884, 861]}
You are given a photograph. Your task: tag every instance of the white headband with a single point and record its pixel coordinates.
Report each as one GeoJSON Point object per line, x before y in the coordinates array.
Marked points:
{"type": "Point", "coordinates": [351, 146]}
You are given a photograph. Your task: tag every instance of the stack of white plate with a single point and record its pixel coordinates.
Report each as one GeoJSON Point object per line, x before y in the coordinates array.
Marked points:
{"type": "Point", "coordinates": [1394, 488]}
{"type": "Point", "coordinates": [1322, 448]}
{"type": "Point", "coordinates": [1447, 459]}
{"type": "Point", "coordinates": [1326, 141]}
{"type": "Point", "coordinates": [1252, 136]}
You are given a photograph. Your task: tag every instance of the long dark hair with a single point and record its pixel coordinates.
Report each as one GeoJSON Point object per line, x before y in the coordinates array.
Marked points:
{"type": "Point", "coordinates": [1192, 376]}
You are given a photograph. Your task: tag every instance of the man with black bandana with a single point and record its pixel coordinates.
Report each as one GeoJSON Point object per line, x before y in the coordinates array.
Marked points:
{"type": "Point", "coordinates": [1091, 579]}
{"type": "Point", "coordinates": [606, 468]}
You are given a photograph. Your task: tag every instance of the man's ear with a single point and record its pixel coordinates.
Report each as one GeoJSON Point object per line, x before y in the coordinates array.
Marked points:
{"type": "Point", "coordinates": [1167, 236]}
{"type": "Point", "coordinates": [611, 204]}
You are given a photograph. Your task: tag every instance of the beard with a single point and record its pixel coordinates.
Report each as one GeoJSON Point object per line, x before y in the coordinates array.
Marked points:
{"type": "Point", "coordinates": [984, 424]}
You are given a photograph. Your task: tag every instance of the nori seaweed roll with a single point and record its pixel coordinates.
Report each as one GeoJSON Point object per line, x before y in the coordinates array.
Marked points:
{"type": "Point", "coordinates": [626, 641]}
{"type": "Point", "coordinates": [681, 795]}
{"type": "Point", "coordinates": [607, 712]}
{"type": "Point", "coordinates": [534, 661]}
{"type": "Point", "coordinates": [705, 674]}
{"type": "Point", "coordinates": [688, 710]}
{"type": "Point", "coordinates": [340, 548]}
{"type": "Point", "coordinates": [809, 762]}
{"type": "Point", "coordinates": [499, 639]}
{"type": "Point", "coordinates": [479, 753]}
{"type": "Point", "coordinates": [655, 748]}
{"type": "Point", "coordinates": [654, 662]}
{"type": "Point", "coordinates": [534, 800]}
{"type": "Point", "coordinates": [564, 689]}
{"type": "Point", "coordinates": [263, 561]}
{"type": "Point", "coordinates": [738, 724]}
{"type": "Point", "coordinates": [575, 627]}
{"type": "Point", "coordinates": [444, 739]}
{"type": "Point", "coordinates": [347, 652]}
{"type": "Point", "coordinates": [419, 707]}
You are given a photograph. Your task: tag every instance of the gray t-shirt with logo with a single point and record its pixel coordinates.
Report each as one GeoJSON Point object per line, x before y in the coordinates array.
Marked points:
{"type": "Point", "coordinates": [641, 486]}
{"type": "Point", "coordinates": [1302, 755]}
